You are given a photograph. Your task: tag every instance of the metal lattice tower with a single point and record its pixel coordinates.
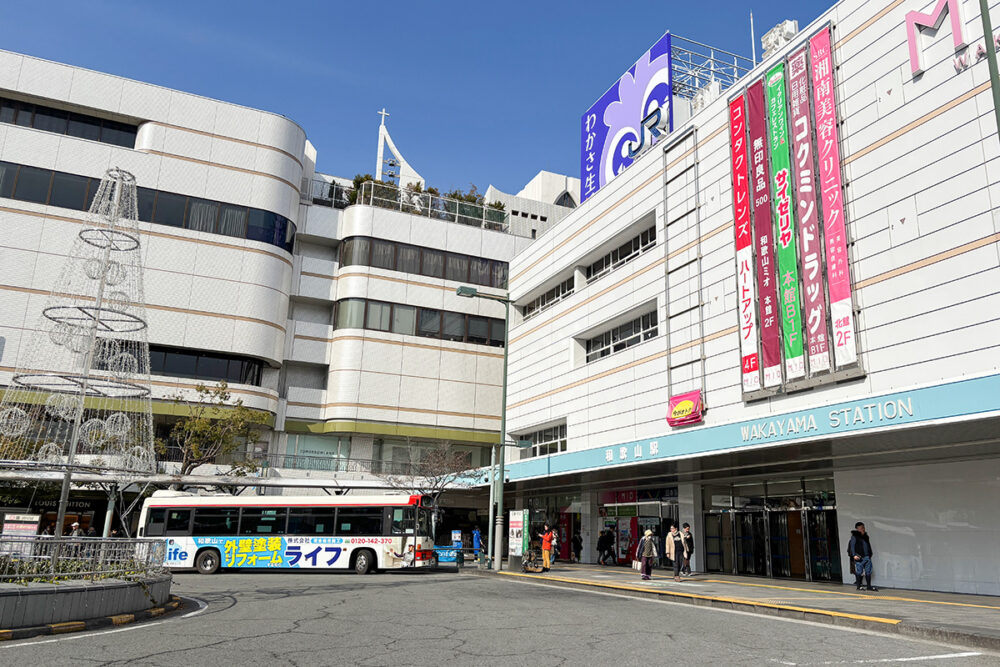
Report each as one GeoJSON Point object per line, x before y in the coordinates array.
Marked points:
{"type": "Point", "coordinates": [79, 397]}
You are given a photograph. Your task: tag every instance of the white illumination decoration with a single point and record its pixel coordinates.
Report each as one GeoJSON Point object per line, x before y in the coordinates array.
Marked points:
{"type": "Point", "coordinates": [79, 395]}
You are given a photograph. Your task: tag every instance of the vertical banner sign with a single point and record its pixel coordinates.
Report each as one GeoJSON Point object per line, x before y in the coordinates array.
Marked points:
{"type": "Point", "coordinates": [745, 292]}
{"type": "Point", "coordinates": [770, 342]}
{"type": "Point", "coordinates": [516, 531]}
{"type": "Point", "coordinates": [838, 275]}
{"type": "Point", "coordinates": [784, 222]}
{"type": "Point", "coordinates": [810, 252]}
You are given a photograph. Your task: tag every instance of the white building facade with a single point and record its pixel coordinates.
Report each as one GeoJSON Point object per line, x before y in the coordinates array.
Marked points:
{"type": "Point", "coordinates": [633, 298]}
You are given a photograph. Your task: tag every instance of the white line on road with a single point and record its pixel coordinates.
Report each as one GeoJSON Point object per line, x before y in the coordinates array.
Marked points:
{"type": "Point", "coordinates": [202, 606]}
{"type": "Point", "coordinates": [916, 658]}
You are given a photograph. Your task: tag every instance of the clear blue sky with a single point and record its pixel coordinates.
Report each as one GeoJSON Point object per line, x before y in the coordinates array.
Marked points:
{"type": "Point", "coordinates": [478, 92]}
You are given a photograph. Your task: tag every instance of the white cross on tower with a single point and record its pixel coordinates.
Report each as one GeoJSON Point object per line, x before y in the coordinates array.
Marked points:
{"type": "Point", "coordinates": [383, 113]}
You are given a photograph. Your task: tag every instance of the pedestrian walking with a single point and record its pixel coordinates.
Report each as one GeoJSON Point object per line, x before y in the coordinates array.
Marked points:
{"type": "Point", "coordinates": [609, 546]}
{"type": "Point", "coordinates": [688, 549]}
{"type": "Point", "coordinates": [546, 537]}
{"type": "Point", "coordinates": [74, 530]}
{"type": "Point", "coordinates": [647, 552]}
{"type": "Point", "coordinates": [860, 551]}
{"type": "Point", "coordinates": [555, 545]}
{"type": "Point", "coordinates": [577, 546]}
{"type": "Point", "coordinates": [91, 532]}
{"type": "Point", "coordinates": [676, 550]}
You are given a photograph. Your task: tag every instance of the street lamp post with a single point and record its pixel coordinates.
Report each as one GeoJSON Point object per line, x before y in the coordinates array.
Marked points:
{"type": "Point", "coordinates": [496, 531]}
{"type": "Point", "coordinates": [991, 58]}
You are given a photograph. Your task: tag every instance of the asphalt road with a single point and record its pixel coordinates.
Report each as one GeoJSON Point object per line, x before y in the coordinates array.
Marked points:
{"type": "Point", "coordinates": [415, 618]}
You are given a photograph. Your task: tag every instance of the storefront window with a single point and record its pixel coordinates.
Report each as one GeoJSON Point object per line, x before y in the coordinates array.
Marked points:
{"type": "Point", "coordinates": [819, 492]}
{"type": "Point", "coordinates": [717, 497]}
{"type": "Point", "coordinates": [784, 494]}
{"type": "Point", "coordinates": [748, 496]}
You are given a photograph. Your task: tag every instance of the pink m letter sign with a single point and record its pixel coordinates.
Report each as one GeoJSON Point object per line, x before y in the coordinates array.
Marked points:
{"type": "Point", "coordinates": [932, 21]}
{"type": "Point", "coordinates": [838, 274]}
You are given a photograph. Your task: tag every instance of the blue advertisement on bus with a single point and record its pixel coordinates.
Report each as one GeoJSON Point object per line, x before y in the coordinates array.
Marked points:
{"type": "Point", "coordinates": [278, 551]}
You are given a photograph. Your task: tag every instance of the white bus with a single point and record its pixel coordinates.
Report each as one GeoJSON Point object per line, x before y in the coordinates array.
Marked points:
{"type": "Point", "coordinates": [363, 533]}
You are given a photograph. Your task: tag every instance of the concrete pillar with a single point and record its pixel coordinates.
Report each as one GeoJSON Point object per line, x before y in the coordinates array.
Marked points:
{"type": "Point", "coordinates": [362, 446]}
{"type": "Point", "coordinates": [590, 528]}
{"type": "Point", "coordinates": [689, 511]}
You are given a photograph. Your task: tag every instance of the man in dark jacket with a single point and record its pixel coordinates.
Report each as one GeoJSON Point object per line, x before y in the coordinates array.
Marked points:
{"type": "Point", "coordinates": [860, 551]}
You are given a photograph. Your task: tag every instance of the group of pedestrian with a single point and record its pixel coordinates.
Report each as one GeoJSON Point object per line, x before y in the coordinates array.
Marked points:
{"type": "Point", "coordinates": [678, 547]}
{"type": "Point", "coordinates": [606, 548]}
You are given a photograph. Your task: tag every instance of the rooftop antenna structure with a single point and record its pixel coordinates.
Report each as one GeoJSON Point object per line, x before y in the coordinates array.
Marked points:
{"type": "Point", "coordinates": [753, 41]}
{"type": "Point", "coordinates": [696, 66]}
{"type": "Point", "coordinates": [79, 397]}
{"type": "Point", "coordinates": [393, 169]}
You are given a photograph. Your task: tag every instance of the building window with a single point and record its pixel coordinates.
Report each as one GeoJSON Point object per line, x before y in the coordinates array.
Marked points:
{"type": "Point", "coordinates": [566, 199]}
{"type": "Point", "coordinates": [365, 251]}
{"type": "Point", "coordinates": [622, 337]}
{"type": "Point", "coordinates": [57, 121]}
{"type": "Point", "coordinates": [545, 441]}
{"type": "Point", "coordinates": [56, 188]}
{"type": "Point", "coordinates": [549, 299]}
{"type": "Point", "coordinates": [188, 363]}
{"type": "Point", "coordinates": [621, 255]}
{"type": "Point", "coordinates": [425, 322]}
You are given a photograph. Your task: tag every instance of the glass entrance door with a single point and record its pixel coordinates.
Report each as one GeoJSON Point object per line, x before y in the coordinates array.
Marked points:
{"type": "Point", "coordinates": [824, 545]}
{"type": "Point", "coordinates": [718, 543]}
{"type": "Point", "coordinates": [788, 558]}
{"type": "Point", "coordinates": [751, 543]}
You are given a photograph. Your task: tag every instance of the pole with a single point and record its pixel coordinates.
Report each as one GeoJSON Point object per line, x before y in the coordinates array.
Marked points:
{"type": "Point", "coordinates": [753, 41]}
{"type": "Point", "coordinates": [88, 361]}
{"type": "Point", "coordinates": [991, 58]}
{"type": "Point", "coordinates": [491, 526]}
{"type": "Point", "coordinates": [110, 515]}
{"type": "Point", "coordinates": [497, 555]}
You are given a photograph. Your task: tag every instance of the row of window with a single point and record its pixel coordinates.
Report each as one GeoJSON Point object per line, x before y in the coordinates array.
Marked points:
{"type": "Point", "coordinates": [549, 299]}
{"type": "Point", "coordinates": [182, 363]}
{"type": "Point", "coordinates": [223, 521]}
{"type": "Point", "coordinates": [622, 337]}
{"type": "Point", "coordinates": [365, 251]}
{"type": "Point", "coordinates": [57, 188]}
{"type": "Point", "coordinates": [60, 121]}
{"type": "Point", "coordinates": [550, 440]}
{"type": "Point", "coordinates": [414, 321]}
{"type": "Point", "coordinates": [623, 254]}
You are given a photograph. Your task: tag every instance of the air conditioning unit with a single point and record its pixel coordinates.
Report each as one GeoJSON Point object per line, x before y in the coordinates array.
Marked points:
{"type": "Point", "coordinates": [778, 36]}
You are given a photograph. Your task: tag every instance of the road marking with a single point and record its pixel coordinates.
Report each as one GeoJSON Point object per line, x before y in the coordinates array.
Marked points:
{"type": "Point", "coordinates": [876, 661]}
{"type": "Point", "coordinates": [202, 606]}
{"type": "Point", "coordinates": [719, 598]}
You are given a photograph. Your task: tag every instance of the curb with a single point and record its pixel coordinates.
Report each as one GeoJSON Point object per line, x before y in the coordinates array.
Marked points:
{"type": "Point", "coordinates": [92, 624]}
{"type": "Point", "coordinates": [858, 621]}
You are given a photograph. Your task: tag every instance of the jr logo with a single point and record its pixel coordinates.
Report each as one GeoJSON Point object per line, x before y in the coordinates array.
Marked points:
{"type": "Point", "coordinates": [657, 123]}
{"type": "Point", "coordinates": [917, 20]}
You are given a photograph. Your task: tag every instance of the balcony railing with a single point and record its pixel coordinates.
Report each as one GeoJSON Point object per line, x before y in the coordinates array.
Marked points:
{"type": "Point", "coordinates": [323, 193]}
{"type": "Point", "coordinates": [432, 206]}
{"type": "Point", "coordinates": [304, 462]}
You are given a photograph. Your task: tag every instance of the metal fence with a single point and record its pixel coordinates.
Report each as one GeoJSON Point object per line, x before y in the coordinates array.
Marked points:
{"type": "Point", "coordinates": [331, 464]}
{"type": "Point", "coordinates": [324, 193]}
{"type": "Point", "coordinates": [432, 206]}
{"type": "Point", "coordinates": [27, 559]}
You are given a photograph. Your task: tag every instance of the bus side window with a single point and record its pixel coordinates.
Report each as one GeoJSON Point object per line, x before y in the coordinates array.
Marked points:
{"type": "Point", "coordinates": [215, 521]}
{"type": "Point", "coordinates": [178, 522]}
{"type": "Point", "coordinates": [359, 521]}
{"type": "Point", "coordinates": [402, 520]}
{"type": "Point", "coordinates": [155, 522]}
{"type": "Point", "coordinates": [263, 521]}
{"type": "Point", "coordinates": [310, 521]}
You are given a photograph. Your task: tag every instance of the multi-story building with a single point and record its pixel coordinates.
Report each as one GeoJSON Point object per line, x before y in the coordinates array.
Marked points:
{"type": "Point", "coordinates": [331, 310]}
{"type": "Point", "coordinates": [888, 415]}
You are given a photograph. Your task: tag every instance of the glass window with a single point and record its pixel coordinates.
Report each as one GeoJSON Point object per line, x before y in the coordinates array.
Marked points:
{"type": "Point", "coordinates": [202, 215]}
{"type": "Point", "coordinates": [170, 209]}
{"type": "Point", "coordinates": [178, 522]}
{"type": "Point", "coordinates": [480, 272]}
{"type": "Point", "coordinates": [156, 362]}
{"type": "Point", "coordinates": [354, 252]}
{"type": "Point", "coordinates": [84, 127]}
{"type": "Point", "coordinates": [146, 199]}
{"type": "Point", "coordinates": [50, 120]}
{"type": "Point", "coordinates": [180, 364]}
{"type": "Point", "coordinates": [350, 314]}
{"type": "Point", "coordinates": [68, 191]}
{"type": "Point", "coordinates": [8, 109]}
{"type": "Point", "coordinates": [212, 368]}
{"type": "Point", "coordinates": [497, 333]}
{"type": "Point", "coordinates": [404, 319]}
{"type": "Point", "coordinates": [155, 522]}
{"type": "Point", "coordinates": [24, 113]}
{"type": "Point", "coordinates": [457, 268]}
{"type": "Point", "coordinates": [92, 187]}
{"type": "Point", "coordinates": [33, 184]}
{"type": "Point", "coordinates": [479, 330]}
{"type": "Point", "coordinates": [233, 220]}
{"type": "Point", "coordinates": [500, 275]}
{"type": "Point", "coordinates": [359, 521]}
{"type": "Point", "coordinates": [453, 327]}
{"type": "Point", "coordinates": [378, 316]}
{"type": "Point", "coordinates": [118, 134]}
{"type": "Point", "coordinates": [408, 259]}
{"type": "Point", "coordinates": [261, 226]}
{"type": "Point", "coordinates": [383, 254]}
{"type": "Point", "coordinates": [8, 174]}
{"type": "Point", "coordinates": [210, 521]}
{"type": "Point", "coordinates": [402, 520]}
{"type": "Point", "coordinates": [433, 264]}
{"type": "Point", "coordinates": [263, 521]}
{"type": "Point", "coordinates": [311, 521]}
{"type": "Point", "coordinates": [430, 323]}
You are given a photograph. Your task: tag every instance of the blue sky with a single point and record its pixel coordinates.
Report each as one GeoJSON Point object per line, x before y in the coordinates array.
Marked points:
{"type": "Point", "coordinates": [477, 92]}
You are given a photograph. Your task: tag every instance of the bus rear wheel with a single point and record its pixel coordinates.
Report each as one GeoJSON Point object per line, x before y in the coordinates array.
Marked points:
{"type": "Point", "coordinates": [364, 562]}
{"type": "Point", "coordinates": [207, 561]}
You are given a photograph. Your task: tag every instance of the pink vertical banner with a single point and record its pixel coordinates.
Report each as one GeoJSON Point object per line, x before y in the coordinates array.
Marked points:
{"type": "Point", "coordinates": [746, 295]}
{"type": "Point", "coordinates": [838, 273]}
{"type": "Point", "coordinates": [810, 250]}
{"type": "Point", "coordinates": [764, 236]}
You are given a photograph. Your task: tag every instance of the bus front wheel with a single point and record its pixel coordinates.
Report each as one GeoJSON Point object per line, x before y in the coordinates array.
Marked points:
{"type": "Point", "coordinates": [364, 562]}
{"type": "Point", "coordinates": [207, 561]}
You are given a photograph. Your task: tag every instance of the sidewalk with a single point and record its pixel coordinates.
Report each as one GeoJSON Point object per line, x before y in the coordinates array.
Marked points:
{"type": "Point", "coordinates": [972, 620]}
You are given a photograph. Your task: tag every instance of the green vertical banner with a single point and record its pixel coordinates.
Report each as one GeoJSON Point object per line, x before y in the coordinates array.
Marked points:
{"type": "Point", "coordinates": [784, 221]}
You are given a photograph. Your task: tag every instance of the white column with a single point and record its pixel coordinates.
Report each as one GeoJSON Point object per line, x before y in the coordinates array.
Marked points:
{"type": "Point", "coordinates": [590, 528]}
{"type": "Point", "coordinates": [689, 511]}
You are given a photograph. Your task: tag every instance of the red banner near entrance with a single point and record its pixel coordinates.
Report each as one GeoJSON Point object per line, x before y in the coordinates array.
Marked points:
{"type": "Point", "coordinates": [764, 236]}
{"type": "Point", "coordinates": [685, 409]}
